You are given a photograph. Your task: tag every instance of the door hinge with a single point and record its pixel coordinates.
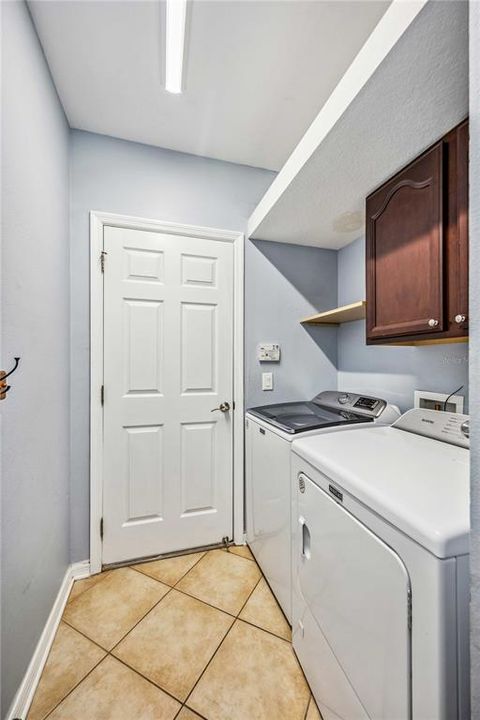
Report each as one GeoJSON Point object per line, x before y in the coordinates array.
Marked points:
{"type": "Point", "coordinates": [102, 394]}
{"type": "Point", "coordinates": [102, 260]}
{"type": "Point", "coordinates": [409, 611]}
{"type": "Point", "coordinates": [101, 528]}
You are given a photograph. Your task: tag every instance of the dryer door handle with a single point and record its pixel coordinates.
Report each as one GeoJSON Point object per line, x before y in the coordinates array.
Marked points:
{"type": "Point", "coordinates": [306, 539]}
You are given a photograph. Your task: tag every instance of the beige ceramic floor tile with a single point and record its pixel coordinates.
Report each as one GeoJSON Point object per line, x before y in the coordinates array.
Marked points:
{"type": "Point", "coordinates": [114, 692]}
{"type": "Point", "coordinates": [313, 712]}
{"type": "Point", "coordinates": [71, 658]}
{"type": "Point", "coordinates": [174, 643]}
{"type": "Point", "coordinates": [186, 714]}
{"type": "Point", "coordinates": [242, 550]}
{"type": "Point", "coordinates": [263, 610]}
{"type": "Point", "coordinates": [112, 607]}
{"type": "Point", "coordinates": [170, 570]}
{"type": "Point", "coordinates": [253, 675]}
{"type": "Point", "coordinates": [79, 586]}
{"type": "Point", "coordinates": [221, 579]}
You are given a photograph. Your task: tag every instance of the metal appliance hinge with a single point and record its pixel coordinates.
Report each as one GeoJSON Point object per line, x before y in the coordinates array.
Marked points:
{"type": "Point", "coordinates": [102, 394]}
{"type": "Point", "coordinates": [101, 528]}
{"type": "Point", "coordinates": [102, 260]}
{"type": "Point", "coordinates": [409, 610]}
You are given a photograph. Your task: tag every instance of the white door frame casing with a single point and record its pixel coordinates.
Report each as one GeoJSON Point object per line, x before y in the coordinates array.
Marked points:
{"type": "Point", "coordinates": [98, 220]}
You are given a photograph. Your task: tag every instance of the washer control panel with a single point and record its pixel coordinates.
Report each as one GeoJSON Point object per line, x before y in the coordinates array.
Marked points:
{"type": "Point", "coordinates": [361, 404]}
{"type": "Point", "coordinates": [453, 428]}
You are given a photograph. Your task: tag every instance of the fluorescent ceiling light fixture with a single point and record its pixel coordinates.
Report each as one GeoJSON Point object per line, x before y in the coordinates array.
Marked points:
{"type": "Point", "coordinates": [175, 44]}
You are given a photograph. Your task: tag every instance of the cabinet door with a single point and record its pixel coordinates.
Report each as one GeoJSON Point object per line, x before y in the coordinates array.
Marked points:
{"type": "Point", "coordinates": [458, 306]}
{"type": "Point", "coordinates": [405, 259]}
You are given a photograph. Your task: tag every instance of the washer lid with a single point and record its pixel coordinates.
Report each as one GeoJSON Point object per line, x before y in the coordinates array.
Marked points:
{"type": "Point", "coordinates": [419, 485]}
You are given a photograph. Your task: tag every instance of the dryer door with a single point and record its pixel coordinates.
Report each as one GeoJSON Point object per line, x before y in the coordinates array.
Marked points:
{"type": "Point", "coordinates": [351, 614]}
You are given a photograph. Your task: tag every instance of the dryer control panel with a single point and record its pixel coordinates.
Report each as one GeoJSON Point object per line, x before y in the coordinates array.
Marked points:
{"type": "Point", "coordinates": [448, 427]}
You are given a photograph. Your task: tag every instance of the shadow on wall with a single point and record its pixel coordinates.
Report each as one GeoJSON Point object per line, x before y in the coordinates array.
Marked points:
{"type": "Point", "coordinates": [311, 274]}
{"type": "Point", "coordinates": [306, 269]}
{"type": "Point", "coordinates": [283, 284]}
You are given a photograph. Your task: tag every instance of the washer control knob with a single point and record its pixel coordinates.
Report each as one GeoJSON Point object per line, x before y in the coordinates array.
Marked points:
{"type": "Point", "coordinates": [344, 399]}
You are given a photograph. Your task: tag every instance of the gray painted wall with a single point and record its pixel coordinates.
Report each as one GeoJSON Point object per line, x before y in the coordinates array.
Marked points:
{"type": "Point", "coordinates": [35, 323]}
{"type": "Point", "coordinates": [284, 283]}
{"type": "Point", "coordinates": [128, 178]}
{"type": "Point", "coordinates": [390, 372]}
{"type": "Point", "coordinates": [475, 348]}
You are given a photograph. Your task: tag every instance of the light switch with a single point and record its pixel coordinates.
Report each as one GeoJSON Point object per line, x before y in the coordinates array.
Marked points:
{"type": "Point", "coordinates": [267, 381]}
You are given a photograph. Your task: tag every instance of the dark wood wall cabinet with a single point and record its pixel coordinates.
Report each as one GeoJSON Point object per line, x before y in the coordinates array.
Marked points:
{"type": "Point", "coordinates": [417, 248]}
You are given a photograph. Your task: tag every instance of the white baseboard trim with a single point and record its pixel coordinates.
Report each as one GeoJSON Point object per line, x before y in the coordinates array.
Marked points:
{"type": "Point", "coordinates": [80, 570]}
{"type": "Point", "coordinates": [23, 699]}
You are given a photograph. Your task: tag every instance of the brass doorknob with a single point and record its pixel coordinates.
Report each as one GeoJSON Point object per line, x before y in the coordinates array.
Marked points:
{"type": "Point", "coordinates": [223, 407]}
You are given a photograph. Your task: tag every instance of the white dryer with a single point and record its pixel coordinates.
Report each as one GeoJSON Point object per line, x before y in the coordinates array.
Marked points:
{"type": "Point", "coordinates": [380, 569]}
{"type": "Point", "coordinates": [269, 433]}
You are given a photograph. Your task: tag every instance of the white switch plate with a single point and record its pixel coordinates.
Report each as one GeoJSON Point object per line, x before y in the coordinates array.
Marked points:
{"type": "Point", "coordinates": [267, 381]}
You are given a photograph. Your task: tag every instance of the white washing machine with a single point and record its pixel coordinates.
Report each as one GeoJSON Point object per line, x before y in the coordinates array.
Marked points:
{"type": "Point", "coordinates": [380, 569]}
{"type": "Point", "coordinates": [269, 433]}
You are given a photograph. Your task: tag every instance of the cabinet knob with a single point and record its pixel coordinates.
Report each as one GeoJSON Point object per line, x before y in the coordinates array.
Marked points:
{"type": "Point", "coordinates": [459, 319]}
{"type": "Point", "coordinates": [432, 322]}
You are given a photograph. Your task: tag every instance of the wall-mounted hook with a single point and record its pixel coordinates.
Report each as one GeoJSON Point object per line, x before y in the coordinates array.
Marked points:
{"type": "Point", "coordinates": [4, 388]}
{"type": "Point", "coordinates": [17, 360]}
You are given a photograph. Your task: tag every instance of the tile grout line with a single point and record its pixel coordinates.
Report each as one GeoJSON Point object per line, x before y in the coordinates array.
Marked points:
{"type": "Point", "coordinates": [184, 592]}
{"type": "Point", "coordinates": [80, 632]}
{"type": "Point", "coordinates": [194, 597]}
{"type": "Point", "coordinates": [221, 642]}
{"type": "Point", "coordinates": [308, 706]}
{"type": "Point", "coordinates": [105, 574]}
{"type": "Point", "coordinates": [184, 705]}
{"type": "Point", "coordinates": [259, 627]}
{"type": "Point", "coordinates": [152, 682]}
{"type": "Point", "coordinates": [250, 595]}
{"type": "Point", "coordinates": [137, 569]}
{"type": "Point", "coordinates": [74, 687]}
{"type": "Point", "coordinates": [170, 588]}
{"type": "Point", "coordinates": [234, 617]}
{"type": "Point", "coordinates": [142, 618]}
{"type": "Point", "coordinates": [109, 653]}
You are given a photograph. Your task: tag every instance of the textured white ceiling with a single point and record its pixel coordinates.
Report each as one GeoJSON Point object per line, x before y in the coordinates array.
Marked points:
{"type": "Point", "coordinates": [417, 93]}
{"type": "Point", "coordinates": [256, 73]}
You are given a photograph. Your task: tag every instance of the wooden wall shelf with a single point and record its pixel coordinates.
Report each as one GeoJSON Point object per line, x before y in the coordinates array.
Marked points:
{"type": "Point", "coordinates": [346, 313]}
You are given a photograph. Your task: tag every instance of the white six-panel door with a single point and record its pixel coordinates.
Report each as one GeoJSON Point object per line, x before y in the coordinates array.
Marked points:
{"type": "Point", "coordinates": [168, 362]}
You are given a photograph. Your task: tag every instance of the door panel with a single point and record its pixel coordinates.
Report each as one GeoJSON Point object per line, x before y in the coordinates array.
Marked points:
{"type": "Point", "coordinates": [199, 329]}
{"type": "Point", "coordinates": [143, 346]}
{"type": "Point", "coordinates": [168, 361]}
{"type": "Point", "coordinates": [144, 473]}
{"type": "Point", "coordinates": [351, 628]}
{"type": "Point", "coordinates": [198, 467]}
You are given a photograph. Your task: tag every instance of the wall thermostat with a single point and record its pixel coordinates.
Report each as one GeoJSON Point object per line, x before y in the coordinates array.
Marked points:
{"type": "Point", "coordinates": [268, 352]}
